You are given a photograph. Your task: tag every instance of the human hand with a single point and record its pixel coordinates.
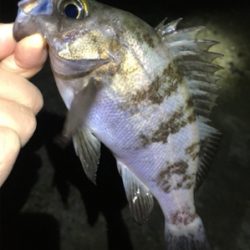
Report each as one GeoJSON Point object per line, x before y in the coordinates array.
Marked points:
{"type": "Point", "coordinates": [20, 100]}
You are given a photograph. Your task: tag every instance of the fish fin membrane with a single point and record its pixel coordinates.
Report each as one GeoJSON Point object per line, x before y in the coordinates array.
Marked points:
{"type": "Point", "coordinates": [186, 237]}
{"type": "Point", "coordinates": [79, 109]}
{"type": "Point", "coordinates": [88, 149]}
{"type": "Point", "coordinates": [194, 61]}
{"type": "Point", "coordinates": [210, 139]}
{"type": "Point", "coordinates": [139, 198]}
{"type": "Point", "coordinates": [196, 64]}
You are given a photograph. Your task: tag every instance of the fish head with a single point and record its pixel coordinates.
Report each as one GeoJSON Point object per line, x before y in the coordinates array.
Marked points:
{"type": "Point", "coordinates": [27, 20]}
{"type": "Point", "coordinates": [80, 35]}
{"type": "Point", "coordinates": [74, 29]}
{"type": "Point", "coordinates": [81, 40]}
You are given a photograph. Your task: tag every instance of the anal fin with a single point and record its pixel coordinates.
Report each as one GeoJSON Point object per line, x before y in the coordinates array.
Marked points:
{"type": "Point", "coordinates": [140, 199]}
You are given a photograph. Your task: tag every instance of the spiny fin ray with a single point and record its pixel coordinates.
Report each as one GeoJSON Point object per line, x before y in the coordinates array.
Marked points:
{"type": "Point", "coordinates": [88, 149]}
{"type": "Point", "coordinates": [167, 28]}
{"type": "Point", "coordinates": [210, 138]}
{"type": "Point", "coordinates": [204, 56]}
{"type": "Point", "coordinates": [185, 34]}
{"type": "Point", "coordinates": [140, 200]}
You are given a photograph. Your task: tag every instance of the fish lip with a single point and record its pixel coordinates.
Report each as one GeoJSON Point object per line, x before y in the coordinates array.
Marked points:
{"type": "Point", "coordinates": [73, 68]}
{"type": "Point", "coordinates": [23, 26]}
{"type": "Point", "coordinates": [26, 21]}
{"type": "Point", "coordinates": [21, 31]}
{"type": "Point", "coordinates": [18, 33]}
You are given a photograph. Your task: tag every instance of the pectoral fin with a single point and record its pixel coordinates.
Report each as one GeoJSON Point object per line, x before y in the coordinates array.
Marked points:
{"type": "Point", "coordinates": [140, 200]}
{"type": "Point", "coordinates": [88, 149]}
{"type": "Point", "coordinates": [87, 146]}
{"type": "Point", "coordinates": [79, 110]}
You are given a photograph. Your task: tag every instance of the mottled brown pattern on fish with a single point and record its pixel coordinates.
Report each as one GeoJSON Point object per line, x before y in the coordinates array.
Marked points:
{"type": "Point", "coordinates": [149, 40]}
{"type": "Point", "coordinates": [172, 126]}
{"type": "Point", "coordinates": [109, 70]}
{"type": "Point", "coordinates": [143, 36]}
{"type": "Point", "coordinates": [163, 89]}
{"type": "Point", "coordinates": [165, 178]}
{"type": "Point", "coordinates": [176, 168]}
{"type": "Point", "coordinates": [196, 149]}
{"type": "Point", "coordinates": [114, 46]}
{"type": "Point", "coordinates": [183, 217]}
{"type": "Point", "coordinates": [193, 150]}
{"type": "Point", "coordinates": [162, 86]}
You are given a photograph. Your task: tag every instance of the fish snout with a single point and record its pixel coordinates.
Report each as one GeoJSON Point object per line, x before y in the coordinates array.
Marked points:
{"type": "Point", "coordinates": [29, 11]}
{"type": "Point", "coordinates": [23, 26]}
{"type": "Point", "coordinates": [19, 32]}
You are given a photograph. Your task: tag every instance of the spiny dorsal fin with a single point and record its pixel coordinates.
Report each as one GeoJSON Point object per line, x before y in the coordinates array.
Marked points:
{"type": "Point", "coordinates": [140, 200]}
{"type": "Point", "coordinates": [88, 149]}
{"type": "Point", "coordinates": [164, 28]}
{"type": "Point", "coordinates": [195, 63]}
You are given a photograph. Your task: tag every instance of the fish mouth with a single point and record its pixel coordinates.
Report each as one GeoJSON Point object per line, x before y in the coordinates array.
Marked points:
{"type": "Point", "coordinates": [17, 35]}
{"type": "Point", "coordinates": [72, 68]}
{"type": "Point", "coordinates": [24, 26]}
{"type": "Point", "coordinates": [19, 32]}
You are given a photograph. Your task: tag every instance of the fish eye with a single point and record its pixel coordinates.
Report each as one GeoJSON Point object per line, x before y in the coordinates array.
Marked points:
{"type": "Point", "coordinates": [72, 10]}
{"type": "Point", "coordinates": [75, 9]}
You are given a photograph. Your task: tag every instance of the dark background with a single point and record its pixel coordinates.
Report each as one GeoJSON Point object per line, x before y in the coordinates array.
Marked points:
{"type": "Point", "coordinates": [48, 203]}
{"type": "Point", "coordinates": [140, 7]}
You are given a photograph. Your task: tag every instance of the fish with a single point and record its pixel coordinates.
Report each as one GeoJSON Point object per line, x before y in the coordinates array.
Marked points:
{"type": "Point", "coordinates": [145, 92]}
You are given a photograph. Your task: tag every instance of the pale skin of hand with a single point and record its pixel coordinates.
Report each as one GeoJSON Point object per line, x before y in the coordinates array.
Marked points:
{"type": "Point", "coordinates": [20, 100]}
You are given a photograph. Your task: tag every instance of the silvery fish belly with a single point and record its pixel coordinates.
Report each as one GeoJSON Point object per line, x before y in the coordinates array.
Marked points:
{"type": "Point", "coordinates": [146, 93]}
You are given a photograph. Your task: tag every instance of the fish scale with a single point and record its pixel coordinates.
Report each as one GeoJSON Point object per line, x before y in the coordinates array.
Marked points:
{"type": "Point", "coordinates": [145, 93]}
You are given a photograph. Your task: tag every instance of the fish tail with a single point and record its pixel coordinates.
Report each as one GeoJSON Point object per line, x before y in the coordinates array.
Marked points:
{"type": "Point", "coordinates": [186, 237]}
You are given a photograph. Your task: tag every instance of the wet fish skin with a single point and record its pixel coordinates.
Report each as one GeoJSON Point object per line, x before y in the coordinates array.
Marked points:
{"type": "Point", "coordinates": [145, 110]}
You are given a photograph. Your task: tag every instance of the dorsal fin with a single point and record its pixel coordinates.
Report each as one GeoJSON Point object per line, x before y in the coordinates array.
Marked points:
{"type": "Point", "coordinates": [164, 28]}
{"type": "Point", "coordinates": [209, 140]}
{"type": "Point", "coordinates": [195, 63]}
